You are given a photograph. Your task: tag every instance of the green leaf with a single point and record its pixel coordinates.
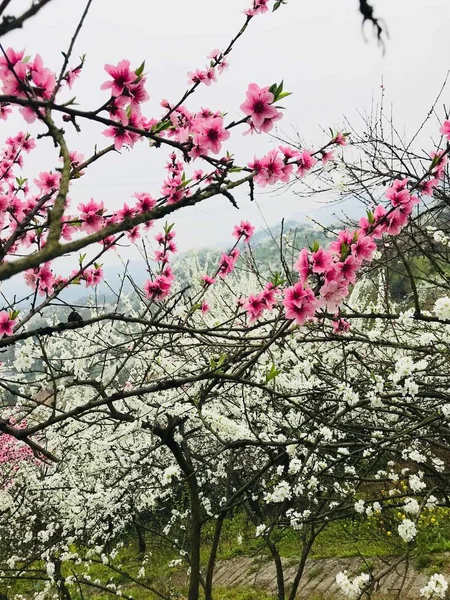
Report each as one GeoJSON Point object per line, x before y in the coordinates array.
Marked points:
{"type": "Point", "coordinates": [272, 373]}
{"type": "Point", "coordinates": [314, 246]}
{"type": "Point", "coordinates": [81, 258]}
{"type": "Point", "coordinates": [235, 170]}
{"type": "Point", "coordinates": [14, 314]}
{"type": "Point", "coordinates": [161, 126]}
{"type": "Point", "coordinates": [435, 161]}
{"type": "Point", "coordinates": [277, 4]}
{"type": "Point", "coordinates": [277, 279]}
{"type": "Point", "coordinates": [140, 69]}
{"type": "Point", "coordinates": [273, 88]}
{"type": "Point", "coordinates": [283, 95]}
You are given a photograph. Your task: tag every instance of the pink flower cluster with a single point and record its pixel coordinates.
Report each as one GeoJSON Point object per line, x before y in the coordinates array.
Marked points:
{"type": "Point", "coordinates": [258, 8]}
{"type": "Point", "coordinates": [127, 95]}
{"type": "Point", "coordinates": [41, 279]}
{"type": "Point", "coordinates": [7, 323]}
{"type": "Point", "coordinates": [326, 274]}
{"type": "Point", "coordinates": [202, 132]}
{"type": "Point", "coordinates": [278, 165]}
{"type": "Point", "coordinates": [174, 188]}
{"type": "Point", "coordinates": [159, 287]}
{"type": "Point", "coordinates": [243, 230]}
{"type": "Point", "coordinates": [12, 207]}
{"type": "Point", "coordinates": [24, 79]}
{"type": "Point", "coordinates": [227, 263]}
{"type": "Point", "coordinates": [218, 64]}
{"type": "Point", "coordinates": [12, 454]}
{"type": "Point", "coordinates": [256, 304]}
{"type": "Point", "coordinates": [333, 270]}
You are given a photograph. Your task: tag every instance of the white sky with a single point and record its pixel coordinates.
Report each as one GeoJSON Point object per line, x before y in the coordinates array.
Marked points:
{"type": "Point", "coordinates": [315, 46]}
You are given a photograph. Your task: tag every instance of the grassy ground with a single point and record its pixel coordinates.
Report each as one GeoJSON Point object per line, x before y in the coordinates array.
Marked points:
{"type": "Point", "coordinates": [372, 537]}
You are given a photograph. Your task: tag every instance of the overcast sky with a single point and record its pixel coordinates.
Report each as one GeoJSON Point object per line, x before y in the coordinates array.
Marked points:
{"type": "Point", "coordinates": [316, 47]}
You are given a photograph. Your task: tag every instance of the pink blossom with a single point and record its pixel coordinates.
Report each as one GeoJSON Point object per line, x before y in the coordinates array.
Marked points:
{"type": "Point", "coordinates": [300, 303]}
{"type": "Point", "coordinates": [205, 307]}
{"type": "Point", "coordinates": [445, 129]}
{"type": "Point", "coordinates": [122, 78]}
{"type": "Point", "coordinates": [207, 280]}
{"type": "Point", "coordinates": [117, 110]}
{"type": "Point", "coordinates": [270, 169]}
{"type": "Point", "coordinates": [91, 215]}
{"type": "Point", "coordinates": [47, 182]}
{"type": "Point", "coordinates": [302, 265]}
{"type": "Point", "coordinates": [210, 76]}
{"type": "Point", "coordinates": [322, 261]}
{"type": "Point", "coordinates": [289, 152]}
{"type": "Point", "coordinates": [161, 256]}
{"type": "Point", "coordinates": [145, 202]}
{"type": "Point", "coordinates": [10, 59]}
{"type": "Point", "coordinates": [343, 242]}
{"type": "Point", "coordinates": [137, 94]}
{"type": "Point", "coordinates": [427, 187]}
{"type": "Point", "coordinates": [340, 139]}
{"type": "Point", "coordinates": [92, 276]}
{"type": "Point", "coordinates": [4, 111]}
{"type": "Point", "coordinates": [214, 54]}
{"type": "Point", "coordinates": [159, 288]}
{"type": "Point", "coordinates": [326, 157]}
{"type": "Point", "coordinates": [441, 162]}
{"type": "Point", "coordinates": [269, 295]}
{"type": "Point", "coordinates": [71, 76]}
{"type": "Point", "coordinates": [340, 325]}
{"type": "Point", "coordinates": [259, 7]}
{"type": "Point", "coordinates": [120, 135]}
{"type": "Point", "coordinates": [41, 279]}
{"type": "Point", "coordinates": [209, 133]}
{"type": "Point", "coordinates": [223, 65]}
{"type": "Point", "coordinates": [44, 79]}
{"type": "Point", "coordinates": [245, 229]}
{"type": "Point", "coordinates": [76, 158]}
{"type": "Point", "coordinates": [363, 248]}
{"type": "Point", "coordinates": [6, 324]}
{"type": "Point", "coordinates": [258, 105]}
{"type": "Point", "coordinates": [305, 163]}
{"type": "Point", "coordinates": [396, 221]}
{"type": "Point", "coordinates": [255, 306]}
{"type": "Point", "coordinates": [332, 293]}
{"type": "Point", "coordinates": [348, 268]}
{"type": "Point", "coordinates": [227, 263]}
{"type": "Point", "coordinates": [196, 76]}
{"type": "Point", "coordinates": [126, 212]}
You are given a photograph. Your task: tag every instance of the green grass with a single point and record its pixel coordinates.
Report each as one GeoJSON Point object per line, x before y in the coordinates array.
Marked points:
{"type": "Point", "coordinates": [372, 537]}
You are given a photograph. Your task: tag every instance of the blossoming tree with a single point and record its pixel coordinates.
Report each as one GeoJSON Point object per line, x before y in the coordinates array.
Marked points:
{"type": "Point", "coordinates": [171, 410]}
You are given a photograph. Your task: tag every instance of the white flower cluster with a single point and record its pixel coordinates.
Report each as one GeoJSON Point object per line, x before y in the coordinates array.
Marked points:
{"type": "Point", "coordinates": [407, 530]}
{"type": "Point", "coordinates": [442, 308]}
{"type": "Point", "coordinates": [436, 587]}
{"type": "Point", "coordinates": [281, 492]}
{"type": "Point", "coordinates": [411, 506]}
{"type": "Point", "coordinates": [352, 589]}
{"type": "Point", "coordinates": [6, 502]}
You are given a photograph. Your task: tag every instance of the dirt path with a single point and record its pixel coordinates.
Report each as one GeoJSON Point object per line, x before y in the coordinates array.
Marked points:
{"type": "Point", "coordinates": [319, 580]}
